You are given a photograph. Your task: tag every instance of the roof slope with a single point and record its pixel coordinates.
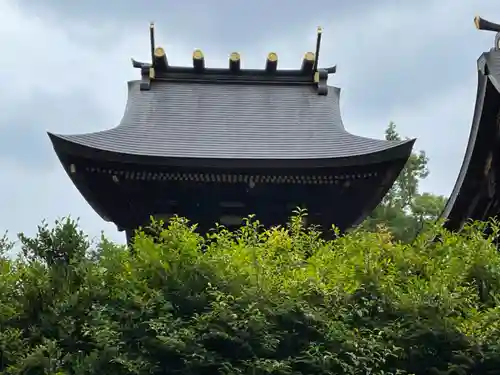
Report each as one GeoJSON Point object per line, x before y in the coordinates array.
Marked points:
{"type": "Point", "coordinates": [231, 121]}
{"type": "Point", "coordinates": [481, 142]}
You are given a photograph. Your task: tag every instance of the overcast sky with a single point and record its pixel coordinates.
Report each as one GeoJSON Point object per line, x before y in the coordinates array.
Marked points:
{"type": "Point", "coordinates": [65, 64]}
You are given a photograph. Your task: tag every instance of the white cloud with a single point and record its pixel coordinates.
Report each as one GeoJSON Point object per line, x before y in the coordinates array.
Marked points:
{"type": "Point", "coordinates": [41, 59]}
{"type": "Point", "coordinates": [442, 123]}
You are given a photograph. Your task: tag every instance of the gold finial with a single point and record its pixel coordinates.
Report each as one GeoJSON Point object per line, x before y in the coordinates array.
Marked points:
{"type": "Point", "coordinates": [160, 61]}
{"type": "Point", "coordinates": [309, 56]}
{"type": "Point", "coordinates": [159, 52]}
{"type": "Point", "coordinates": [272, 56]}
{"type": "Point", "coordinates": [271, 62]}
{"type": "Point", "coordinates": [320, 30]}
{"type": "Point", "coordinates": [197, 54]}
{"type": "Point", "coordinates": [477, 21]}
{"type": "Point", "coordinates": [308, 62]}
{"type": "Point", "coordinates": [198, 60]}
{"type": "Point", "coordinates": [234, 61]}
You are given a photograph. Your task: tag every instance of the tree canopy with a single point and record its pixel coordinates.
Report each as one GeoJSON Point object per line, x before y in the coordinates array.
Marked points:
{"type": "Point", "coordinates": [405, 210]}
{"type": "Point", "coordinates": [254, 301]}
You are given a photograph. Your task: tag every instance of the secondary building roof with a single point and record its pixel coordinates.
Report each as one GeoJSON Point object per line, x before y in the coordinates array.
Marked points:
{"type": "Point", "coordinates": [474, 192]}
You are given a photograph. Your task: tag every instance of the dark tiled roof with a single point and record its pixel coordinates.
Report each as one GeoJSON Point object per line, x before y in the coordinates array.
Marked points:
{"type": "Point", "coordinates": [232, 121]}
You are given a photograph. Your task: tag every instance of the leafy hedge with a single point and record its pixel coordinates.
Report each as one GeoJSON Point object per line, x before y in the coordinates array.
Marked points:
{"type": "Point", "coordinates": [279, 301]}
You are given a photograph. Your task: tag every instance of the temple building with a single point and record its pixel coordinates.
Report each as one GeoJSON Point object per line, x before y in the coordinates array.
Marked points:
{"type": "Point", "coordinates": [476, 195]}
{"type": "Point", "coordinates": [218, 144]}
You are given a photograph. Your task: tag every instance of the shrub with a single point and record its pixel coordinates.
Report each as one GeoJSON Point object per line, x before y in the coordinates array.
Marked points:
{"type": "Point", "coordinates": [253, 301]}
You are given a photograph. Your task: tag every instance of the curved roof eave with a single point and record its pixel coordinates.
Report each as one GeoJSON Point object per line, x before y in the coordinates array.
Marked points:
{"type": "Point", "coordinates": [68, 148]}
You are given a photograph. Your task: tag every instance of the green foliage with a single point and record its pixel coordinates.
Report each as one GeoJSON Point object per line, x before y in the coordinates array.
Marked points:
{"type": "Point", "coordinates": [277, 301]}
{"type": "Point", "coordinates": [404, 210]}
